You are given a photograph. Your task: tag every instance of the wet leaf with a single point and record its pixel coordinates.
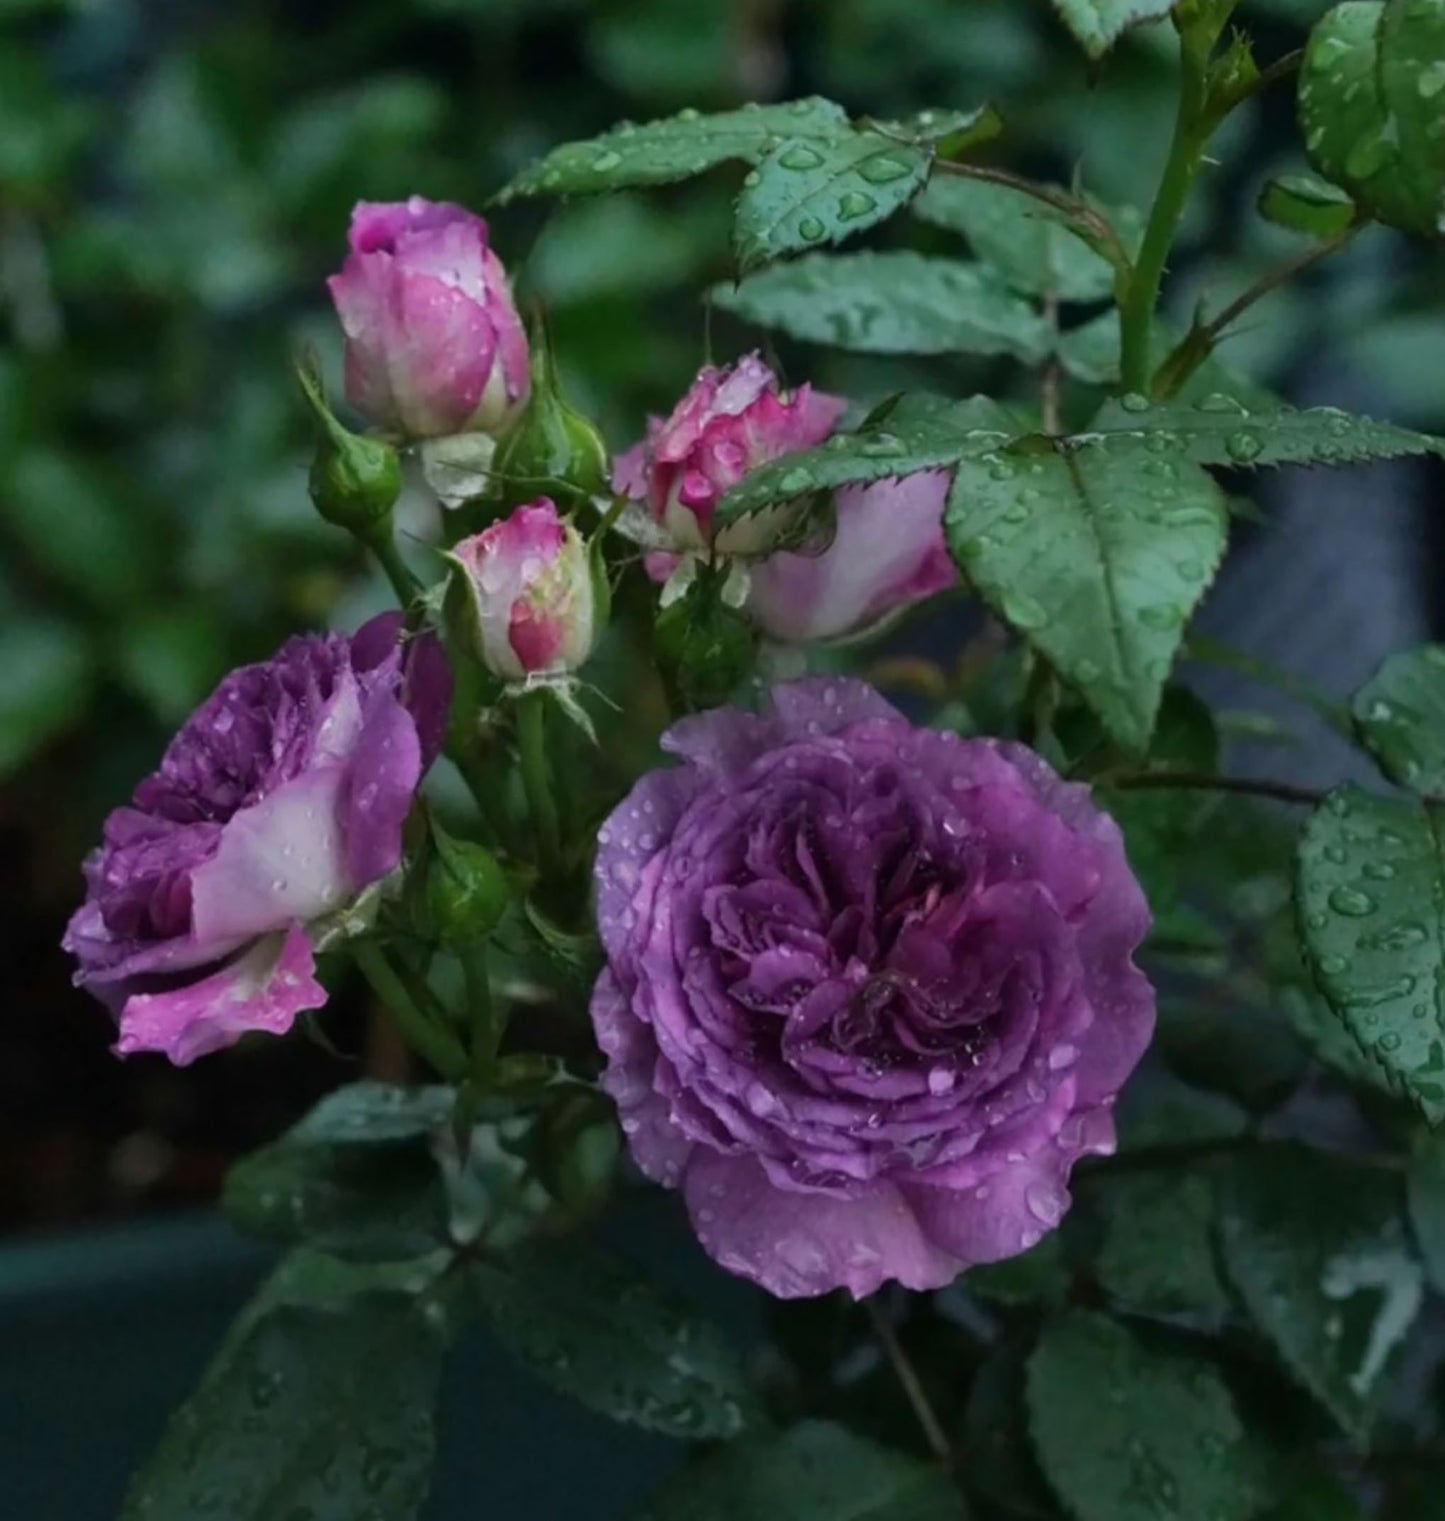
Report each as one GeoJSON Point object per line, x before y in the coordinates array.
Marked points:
{"type": "Point", "coordinates": [1306, 203]}
{"type": "Point", "coordinates": [1400, 713]}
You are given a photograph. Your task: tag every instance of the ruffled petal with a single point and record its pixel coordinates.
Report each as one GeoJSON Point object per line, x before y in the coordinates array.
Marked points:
{"type": "Point", "coordinates": [797, 1245]}
{"type": "Point", "coordinates": [264, 988]}
{"type": "Point", "coordinates": [381, 782]}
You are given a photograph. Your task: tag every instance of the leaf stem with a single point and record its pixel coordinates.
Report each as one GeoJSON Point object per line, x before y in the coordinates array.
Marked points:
{"type": "Point", "coordinates": [438, 1045]}
{"type": "Point", "coordinates": [1141, 293]}
{"type": "Point", "coordinates": [1051, 380]}
{"type": "Point", "coordinates": [1203, 781]}
{"type": "Point", "coordinates": [928, 1421]}
{"type": "Point", "coordinates": [1198, 344]}
{"type": "Point", "coordinates": [536, 779]}
{"type": "Point", "coordinates": [1095, 229]}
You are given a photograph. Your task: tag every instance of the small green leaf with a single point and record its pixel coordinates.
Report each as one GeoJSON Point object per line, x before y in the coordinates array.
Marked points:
{"type": "Point", "coordinates": [1426, 1184]}
{"type": "Point", "coordinates": [1127, 1433]}
{"type": "Point", "coordinates": [1098, 24]}
{"type": "Point", "coordinates": [808, 193]}
{"type": "Point", "coordinates": [1306, 203]}
{"type": "Point", "coordinates": [1032, 244]}
{"type": "Point", "coordinates": [813, 1472]}
{"type": "Point", "coordinates": [591, 1327]}
{"type": "Point", "coordinates": [356, 1177]}
{"type": "Point", "coordinates": [1400, 713]}
{"type": "Point", "coordinates": [322, 1409]}
{"type": "Point", "coordinates": [46, 673]}
{"type": "Point", "coordinates": [949, 133]}
{"type": "Point", "coordinates": [896, 302]}
{"type": "Point", "coordinates": [1222, 431]}
{"type": "Point", "coordinates": [1314, 1242]}
{"type": "Point", "coordinates": [675, 148]}
{"type": "Point", "coordinates": [1370, 106]}
{"type": "Point", "coordinates": [1157, 1251]}
{"type": "Point", "coordinates": [1371, 895]}
{"type": "Point", "coordinates": [1098, 556]}
{"type": "Point", "coordinates": [909, 434]}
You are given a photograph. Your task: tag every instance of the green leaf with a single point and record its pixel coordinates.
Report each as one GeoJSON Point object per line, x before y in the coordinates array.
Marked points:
{"type": "Point", "coordinates": [1314, 1495]}
{"type": "Point", "coordinates": [1370, 106]}
{"type": "Point", "coordinates": [950, 133]}
{"type": "Point", "coordinates": [1426, 1186]}
{"type": "Point", "coordinates": [1306, 203]}
{"type": "Point", "coordinates": [323, 1409]}
{"type": "Point", "coordinates": [1039, 1275]}
{"type": "Point", "coordinates": [46, 674]}
{"type": "Point", "coordinates": [1400, 713]}
{"type": "Point", "coordinates": [1127, 1433]}
{"type": "Point", "coordinates": [909, 434]}
{"type": "Point", "coordinates": [808, 193]}
{"type": "Point", "coordinates": [591, 1327]}
{"type": "Point", "coordinates": [1157, 1251]}
{"type": "Point", "coordinates": [1314, 1243]}
{"type": "Point", "coordinates": [896, 302]}
{"type": "Point", "coordinates": [1098, 24]}
{"type": "Point", "coordinates": [1031, 244]}
{"type": "Point", "coordinates": [675, 148]}
{"type": "Point", "coordinates": [1098, 556]}
{"type": "Point", "coordinates": [1371, 895]}
{"type": "Point", "coordinates": [1220, 430]}
{"type": "Point", "coordinates": [813, 1472]}
{"type": "Point", "coordinates": [356, 1177]}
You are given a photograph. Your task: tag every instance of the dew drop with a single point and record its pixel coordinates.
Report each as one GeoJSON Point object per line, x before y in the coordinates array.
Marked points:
{"type": "Point", "coordinates": [1244, 447]}
{"type": "Point", "coordinates": [800, 156]}
{"type": "Point", "coordinates": [855, 204]}
{"type": "Point", "coordinates": [1352, 902]}
{"type": "Point", "coordinates": [883, 171]}
{"type": "Point", "coordinates": [811, 229]}
{"type": "Point", "coordinates": [1133, 401]}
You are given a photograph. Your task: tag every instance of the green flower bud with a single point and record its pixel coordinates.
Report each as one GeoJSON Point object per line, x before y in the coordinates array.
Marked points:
{"type": "Point", "coordinates": [552, 450]}
{"type": "Point", "coordinates": [466, 892]}
{"type": "Point", "coordinates": [354, 480]}
{"type": "Point", "coordinates": [704, 648]}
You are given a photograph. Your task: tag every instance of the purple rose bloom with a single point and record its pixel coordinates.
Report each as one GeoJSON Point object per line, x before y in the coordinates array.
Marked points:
{"type": "Point", "coordinates": [282, 798]}
{"type": "Point", "coordinates": [870, 992]}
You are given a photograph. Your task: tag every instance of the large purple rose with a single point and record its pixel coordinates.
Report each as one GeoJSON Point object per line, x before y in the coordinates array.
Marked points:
{"type": "Point", "coordinates": [281, 799]}
{"type": "Point", "coordinates": [870, 992]}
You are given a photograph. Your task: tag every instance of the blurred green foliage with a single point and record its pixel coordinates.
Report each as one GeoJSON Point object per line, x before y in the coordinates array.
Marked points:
{"type": "Point", "coordinates": [175, 181]}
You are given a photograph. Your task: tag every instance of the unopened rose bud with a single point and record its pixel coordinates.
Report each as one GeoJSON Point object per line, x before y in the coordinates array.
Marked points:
{"type": "Point", "coordinates": [730, 422]}
{"type": "Point", "coordinates": [552, 445]}
{"type": "Point", "coordinates": [354, 480]}
{"type": "Point", "coordinates": [434, 345]}
{"type": "Point", "coordinates": [465, 889]}
{"type": "Point", "coordinates": [531, 593]}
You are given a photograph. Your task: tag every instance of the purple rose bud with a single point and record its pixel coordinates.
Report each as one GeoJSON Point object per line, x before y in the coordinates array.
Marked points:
{"type": "Point", "coordinates": [887, 552]}
{"type": "Point", "coordinates": [870, 990]}
{"type": "Point", "coordinates": [731, 421]}
{"type": "Point", "coordinates": [434, 345]}
{"type": "Point", "coordinates": [531, 592]}
{"type": "Point", "coordinates": [281, 799]}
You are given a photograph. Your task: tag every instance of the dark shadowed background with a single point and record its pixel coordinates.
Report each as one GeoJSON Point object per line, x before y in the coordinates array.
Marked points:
{"type": "Point", "coordinates": [175, 179]}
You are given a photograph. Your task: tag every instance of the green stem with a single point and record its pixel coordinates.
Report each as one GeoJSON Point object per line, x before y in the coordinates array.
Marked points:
{"type": "Point", "coordinates": [907, 1375]}
{"type": "Point", "coordinates": [537, 780]}
{"type": "Point", "coordinates": [439, 1046]}
{"type": "Point", "coordinates": [486, 1027]}
{"type": "Point", "coordinates": [403, 583]}
{"type": "Point", "coordinates": [1191, 781]}
{"type": "Point", "coordinates": [485, 789]}
{"type": "Point", "coordinates": [1141, 295]}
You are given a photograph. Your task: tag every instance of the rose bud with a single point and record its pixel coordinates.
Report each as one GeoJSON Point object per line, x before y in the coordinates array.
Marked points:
{"type": "Point", "coordinates": [531, 593]}
{"type": "Point", "coordinates": [434, 345]}
{"type": "Point", "coordinates": [731, 421]}
{"type": "Point", "coordinates": [281, 799]}
{"type": "Point", "coordinates": [887, 552]}
{"type": "Point", "coordinates": [870, 991]}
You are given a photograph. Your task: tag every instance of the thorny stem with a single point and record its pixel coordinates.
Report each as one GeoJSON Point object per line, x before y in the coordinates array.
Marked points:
{"type": "Point", "coordinates": [536, 779]}
{"type": "Point", "coordinates": [1141, 294]}
{"type": "Point", "coordinates": [1202, 781]}
{"type": "Point", "coordinates": [1197, 345]}
{"type": "Point", "coordinates": [439, 1046]}
{"type": "Point", "coordinates": [928, 1421]}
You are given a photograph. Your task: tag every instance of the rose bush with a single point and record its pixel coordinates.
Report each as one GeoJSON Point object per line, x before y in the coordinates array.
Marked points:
{"type": "Point", "coordinates": [279, 801]}
{"type": "Point", "coordinates": [870, 990]}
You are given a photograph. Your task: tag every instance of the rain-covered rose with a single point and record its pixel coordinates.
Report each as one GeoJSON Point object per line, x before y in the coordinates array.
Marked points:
{"type": "Point", "coordinates": [529, 582]}
{"type": "Point", "coordinates": [731, 421]}
{"type": "Point", "coordinates": [887, 552]}
{"type": "Point", "coordinates": [279, 801]}
{"type": "Point", "coordinates": [434, 345]}
{"type": "Point", "coordinates": [870, 990]}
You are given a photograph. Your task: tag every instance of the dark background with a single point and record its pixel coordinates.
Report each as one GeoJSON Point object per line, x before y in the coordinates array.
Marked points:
{"type": "Point", "coordinates": [175, 179]}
